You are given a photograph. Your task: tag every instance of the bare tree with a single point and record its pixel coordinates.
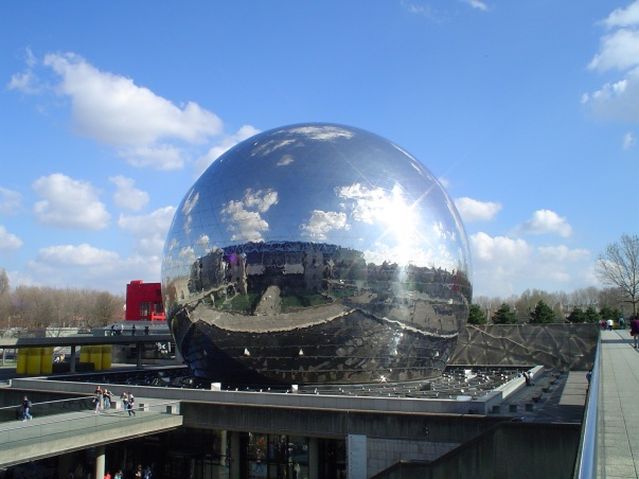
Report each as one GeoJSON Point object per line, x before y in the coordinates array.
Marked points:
{"type": "Point", "coordinates": [619, 266]}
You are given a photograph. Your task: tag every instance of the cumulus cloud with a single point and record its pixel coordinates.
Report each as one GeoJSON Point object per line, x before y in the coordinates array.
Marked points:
{"type": "Point", "coordinates": [145, 128]}
{"type": "Point", "coordinates": [618, 51]}
{"type": "Point", "coordinates": [8, 241]}
{"type": "Point", "coordinates": [81, 265]}
{"type": "Point", "coordinates": [244, 217]}
{"type": "Point", "coordinates": [475, 210]}
{"type": "Point", "coordinates": [323, 133]}
{"type": "Point", "coordinates": [126, 195]}
{"type": "Point", "coordinates": [504, 266]}
{"type": "Point", "coordinates": [545, 222]}
{"type": "Point", "coordinates": [149, 230]}
{"type": "Point", "coordinates": [69, 203]}
{"type": "Point", "coordinates": [629, 140]}
{"type": "Point", "coordinates": [624, 17]}
{"type": "Point", "coordinates": [10, 201]}
{"type": "Point", "coordinates": [76, 255]}
{"type": "Point", "coordinates": [323, 222]}
{"type": "Point", "coordinates": [246, 131]}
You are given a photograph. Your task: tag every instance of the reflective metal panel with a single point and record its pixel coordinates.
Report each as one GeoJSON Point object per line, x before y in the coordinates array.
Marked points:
{"type": "Point", "coordinates": [316, 253]}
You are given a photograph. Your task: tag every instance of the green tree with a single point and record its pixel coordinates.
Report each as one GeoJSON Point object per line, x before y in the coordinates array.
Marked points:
{"type": "Point", "coordinates": [592, 316]}
{"type": "Point", "coordinates": [542, 314]}
{"type": "Point", "coordinates": [504, 315]}
{"type": "Point", "coordinates": [577, 315]}
{"type": "Point", "coordinates": [607, 313]}
{"type": "Point", "coordinates": [619, 266]}
{"type": "Point", "coordinates": [476, 315]}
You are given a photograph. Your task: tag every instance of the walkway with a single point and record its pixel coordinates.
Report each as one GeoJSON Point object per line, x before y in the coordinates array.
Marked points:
{"type": "Point", "coordinates": [61, 433]}
{"type": "Point", "coordinates": [618, 429]}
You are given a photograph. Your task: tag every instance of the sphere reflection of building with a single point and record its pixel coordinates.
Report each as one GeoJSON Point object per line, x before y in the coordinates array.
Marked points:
{"type": "Point", "coordinates": [316, 253]}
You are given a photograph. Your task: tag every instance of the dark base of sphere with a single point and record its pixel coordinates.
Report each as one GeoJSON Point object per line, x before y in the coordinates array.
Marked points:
{"type": "Point", "coordinates": [353, 349]}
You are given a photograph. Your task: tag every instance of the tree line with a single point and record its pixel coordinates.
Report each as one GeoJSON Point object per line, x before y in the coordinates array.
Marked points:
{"type": "Point", "coordinates": [37, 307]}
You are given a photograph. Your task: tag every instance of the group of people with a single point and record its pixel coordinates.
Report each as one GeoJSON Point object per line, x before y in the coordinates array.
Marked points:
{"type": "Point", "coordinates": [104, 398]}
{"type": "Point", "coordinates": [146, 473]}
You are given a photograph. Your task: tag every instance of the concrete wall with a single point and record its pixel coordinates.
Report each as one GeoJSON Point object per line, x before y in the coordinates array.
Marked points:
{"type": "Point", "coordinates": [524, 451]}
{"type": "Point", "coordinates": [561, 346]}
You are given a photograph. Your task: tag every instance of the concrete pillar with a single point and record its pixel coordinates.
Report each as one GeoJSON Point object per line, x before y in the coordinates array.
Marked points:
{"type": "Point", "coordinates": [72, 359]}
{"type": "Point", "coordinates": [65, 465]}
{"type": "Point", "coordinates": [356, 456]}
{"type": "Point", "coordinates": [313, 458]}
{"type": "Point", "coordinates": [138, 347]}
{"type": "Point", "coordinates": [223, 457]}
{"type": "Point", "coordinates": [99, 462]}
{"type": "Point", "coordinates": [234, 469]}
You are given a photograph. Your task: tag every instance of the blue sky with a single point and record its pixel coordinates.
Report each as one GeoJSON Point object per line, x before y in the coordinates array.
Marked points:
{"type": "Point", "coordinates": [526, 111]}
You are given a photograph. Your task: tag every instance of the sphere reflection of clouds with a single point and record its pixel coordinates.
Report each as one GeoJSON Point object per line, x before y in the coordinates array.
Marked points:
{"type": "Point", "coordinates": [321, 238]}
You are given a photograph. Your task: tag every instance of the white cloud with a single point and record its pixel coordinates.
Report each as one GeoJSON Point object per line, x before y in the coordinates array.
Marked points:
{"type": "Point", "coordinates": [285, 160]}
{"type": "Point", "coordinates": [8, 241]}
{"type": "Point", "coordinates": [126, 196]}
{"type": "Point", "coordinates": [546, 221]}
{"type": "Point", "coordinates": [629, 140]}
{"type": "Point", "coordinates": [69, 203]}
{"type": "Point", "coordinates": [323, 222]}
{"type": "Point", "coordinates": [10, 201]}
{"type": "Point", "coordinates": [149, 230]}
{"type": "Point", "coordinates": [146, 129]}
{"type": "Point", "coordinates": [246, 131]}
{"type": "Point", "coordinates": [624, 17]}
{"type": "Point", "coordinates": [72, 255]}
{"type": "Point", "coordinates": [113, 109]}
{"type": "Point", "coordinates": [475, 210]}
{"type": "Point", "coordinates": [85, 265]}
{"type": "Point", "coordinates": [505, 266]}
{"type": "Point", "coordinates": [445, 182]}
{"type": "Point", "coordinates": [478, 4]}
{"type": "Point", "coordinates": [618, 50]}
{"type": "Point", "coordinates": [245, 224]}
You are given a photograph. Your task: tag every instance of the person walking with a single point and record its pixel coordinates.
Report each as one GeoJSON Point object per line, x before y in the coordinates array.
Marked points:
{"type": "Point", "coordinates": [106, 398]}
{"type": "Point", "coordinates": [131, 405]}
{"type": "Point", "coordinates": [98, 399]}
{"type": "Point", "coordinates": [124, 397]}
{"type": "Point", "coordinates": [26, 409]}
{"type": "Point", "coordinates": [634, 330]}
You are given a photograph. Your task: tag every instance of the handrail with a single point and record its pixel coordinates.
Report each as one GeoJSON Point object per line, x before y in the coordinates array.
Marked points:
{"type": "Point", "coordinates": [586, 463]}
{"type": "Point", "coordinates": [54, 401]}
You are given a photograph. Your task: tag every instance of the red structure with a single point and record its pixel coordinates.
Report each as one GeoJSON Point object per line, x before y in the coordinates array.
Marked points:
{"type": "Point", "coordinates": [144, 302]}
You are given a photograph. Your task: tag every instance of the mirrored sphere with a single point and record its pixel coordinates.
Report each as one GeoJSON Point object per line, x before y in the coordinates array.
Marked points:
{"type": "Point", "coordinates": [316, 254]}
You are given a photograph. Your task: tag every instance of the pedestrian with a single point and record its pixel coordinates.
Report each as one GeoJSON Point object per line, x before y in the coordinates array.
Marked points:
{"type": "Point", "coordinates": [118, 475]}
{"type": "Point", "coordinates": [609, 324]}
{"type": "Point", "coordinates": [138, 472]}
{"type": "Point", "coordinates": [106, 397]}
{"type": "Point", "coordinates": [107, 475]}
{"type": "Point", "coordinates": [634, 330]}
{"type": "Point", "coordinates": [622, 323]}
{"type": "Point", "coordinates": [26, 409]}
{"type": "Point", "coordinates": [131, 405]}
{"type": "Point", "coordinates": [146, 330]}
{"type": "Point", "coordinates": [147, 473]}
{"type": "Point", "coordinates": [124, 397]}
{"type": "Point", "coordinates": [133, 330]}
{"type": "Point", "coordinates": [121, 331]}
{"type": "Point", "coordinates": [98, 399]}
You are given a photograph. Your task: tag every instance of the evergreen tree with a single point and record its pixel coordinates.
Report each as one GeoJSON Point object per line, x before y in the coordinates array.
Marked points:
{"type": "Point", "coordinates": [577, 315]}
{"type": "Point", "coordinates": [504, 315]}
{"type": "Point", "coordinates": [476, 315]}
{"type": "Point", "coordinates": [592, 316]}
{"type": "Point", "coordinates": [542, 314]}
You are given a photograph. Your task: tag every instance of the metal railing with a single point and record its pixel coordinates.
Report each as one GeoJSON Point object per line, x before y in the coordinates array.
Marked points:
{"type": "Point", "coordinates": [48, 408]}
{"type": "Point", "coordinates": [586, 463]}
{"type": "Point", "coordinates": [12, 435]}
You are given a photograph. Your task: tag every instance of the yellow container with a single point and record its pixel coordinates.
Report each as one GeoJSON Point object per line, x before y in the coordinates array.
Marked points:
{"type": "Point", "coordinates": [107, 356]}
{"type": "Point", "coordinates": [46, 361]}
{"type": "Point", "coordinates": [95, 357]}
{"type": "Point", "coordinates": [21, 364]}
{"type": "Point", "coordinates": [34, 361]}
{"type": "Point", "coordinates": [84, 354]}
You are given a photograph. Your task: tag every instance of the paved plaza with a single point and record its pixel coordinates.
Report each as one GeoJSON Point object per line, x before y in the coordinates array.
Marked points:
{"type": "Point", "coordinates": [618, 431]}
